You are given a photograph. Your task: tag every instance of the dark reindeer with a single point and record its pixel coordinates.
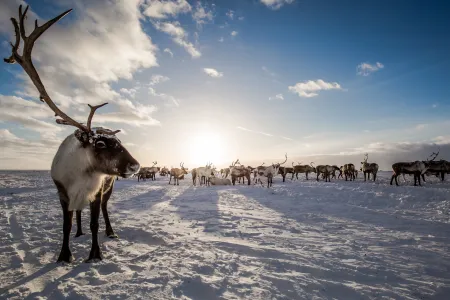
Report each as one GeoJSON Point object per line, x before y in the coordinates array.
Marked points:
{"type": "Point", "coordinates": [416, 168]}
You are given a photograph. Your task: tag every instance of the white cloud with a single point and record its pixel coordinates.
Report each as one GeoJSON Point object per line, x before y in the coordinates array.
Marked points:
{"type": "Point", "coordinates": [201, 15]}
{"type": "Point", "coordinates": [254, 131]}
{"type": "Point", "coordinates": [178, 35]}
{"type": "Point", "coordinates": [31, 115]}
{"type": "Point", "coordinates": [221, 39]}
{"type": "Point", "coordinates": [212, 72]}
{"type": "Point", "coordinates": [241, 18]}
{"type": "Point", "coordinates": [155, 79]}
{"type": "Point", "coordinates": [234, 33]}
{"type": "Point", "coordinates": [276, 4]}
{"type": "Point", "coordinates": [129, 92]}
{"type": "Point", "coordinates": [421, 126]}
{"type": "Point", "coordinates": [169, 98]}
{"type": "Point", "coordinates": [286, 138]}
{"type": "Point", "coordinates": [162, 9]}
{"type": "Point", "coordinates": [167, 50]}
{"type": "Point", "coordinates": [230, 14]}
{"type": "Point", "coordinates": [311, 88]}
{"type": "Point", "coordinates": [365, 69]}
{"type": "Point", "coordinates": [268, 72]}
{"type": "Point", "coordinates": [434, 105]}
{"type": "Point", "coordinates": [79, 73]}
{"type": "Point", "coordinates": [277, 97]}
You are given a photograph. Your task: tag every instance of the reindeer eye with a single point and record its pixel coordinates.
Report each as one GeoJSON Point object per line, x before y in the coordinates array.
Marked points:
{"type": "Point", "coordinates": [100, 144]}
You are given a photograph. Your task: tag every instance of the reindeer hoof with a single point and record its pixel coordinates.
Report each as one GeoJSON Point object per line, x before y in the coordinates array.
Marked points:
{"type": "Point", "coordinates": [112, 235]}
{"type": "Point", "coordinates": [79, 234]}
{"type": "Point", "coordinates": [65, 256]}
{"type": "Point", "coordinates": [95, 255]}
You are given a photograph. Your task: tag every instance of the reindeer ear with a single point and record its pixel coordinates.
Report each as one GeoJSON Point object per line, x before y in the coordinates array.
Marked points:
{"type": "Point", "coordinates": [84, 138]}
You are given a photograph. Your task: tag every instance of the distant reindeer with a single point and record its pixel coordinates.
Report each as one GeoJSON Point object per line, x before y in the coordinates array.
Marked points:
{"type": "Point", "coordinates": [416, 168]}
{"type": "Point", "coordinates": [369, 168]}
{"type": "Point", "coordinates": [306, 169]}
{"type": "Point", "coordinates": [269, 172]}
{"type": "Point", "coordinates": [283, 171]}
{"type": "Point", "coordinates": [153, 170]}
{"type": "Point", "coordinates": [349, 171]}
{"type": "Point", "coordinates": [177, 174]}
{"type": "Point", "coordinates": [203, 172]}
{"type": "Point", "coordinates": [87, 161]}
{"type": "Point", "coordinates": [239, 171]}
{"type": "Point", "coordinates": [326, 171]}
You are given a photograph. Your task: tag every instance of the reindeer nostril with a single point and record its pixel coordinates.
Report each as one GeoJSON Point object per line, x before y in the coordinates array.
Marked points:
{"type": "Point", "coordinates": [134, 167]}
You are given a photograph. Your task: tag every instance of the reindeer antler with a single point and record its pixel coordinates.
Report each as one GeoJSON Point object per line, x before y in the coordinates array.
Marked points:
{"type": "Point", "coordinates": [435, 156]}
{"type": "Point", "coordinates": [284, 160]}
{"type": "Point", "coordinates": [311, 164]}
{"type": "Point", "coordinates": [26, 63]}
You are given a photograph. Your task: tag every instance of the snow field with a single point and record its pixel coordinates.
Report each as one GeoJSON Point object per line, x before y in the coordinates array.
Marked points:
{"type": "Point", "coordinates": [297, 240]}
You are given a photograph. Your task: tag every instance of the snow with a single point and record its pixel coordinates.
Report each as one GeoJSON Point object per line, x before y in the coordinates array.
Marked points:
{"type": "Point", "coordinates": [298, 240]}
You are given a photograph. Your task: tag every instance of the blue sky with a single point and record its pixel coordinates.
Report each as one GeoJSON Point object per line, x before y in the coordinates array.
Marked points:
{"type": "Point", "coordinates": [310, 78]}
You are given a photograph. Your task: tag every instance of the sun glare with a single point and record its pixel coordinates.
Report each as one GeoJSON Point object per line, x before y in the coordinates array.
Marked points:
{"type": "Point", "coordinates": [206, 147]}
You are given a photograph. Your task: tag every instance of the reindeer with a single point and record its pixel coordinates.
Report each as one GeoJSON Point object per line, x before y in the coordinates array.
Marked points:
{"type": "Point", "coordinates": [269, 172]}
{"type": "Point", "coordinates": [143, 173]}
{"type": "Point", "coordinates": [87, 161]}
{"type": "Point", "coordinates": [164, 171]}
{"type": "Point", "coordinates": [205, 172]}
{"type": "Point", "coordinates": [153, 170]}
{"type": "Point", "coordinates": [349, 171]}
{"type": "Point", "coordinates": [257, 170]}
{"type": "Point", "coordinates": [416, 168]}
{"type": "Point", "coordinates": [369, 168]}
{"type": "Point", "coordinates": [333, 173]}
{"type": "Point", "coordinates": [177, 174]}
{"type": "Point", "coordinates": [283, 171]}
{"type": "Point", "coordinates": [225, 172]}
{"type": "Point", "coordinates": [219, 181]}
{"type": "Point", "coordinates": [325, 170]}
{"type": "Point", "coordinates": [437, 168]}
{"type": "Point", "coordinates": [238, 172]}
{"type": "Point", "coordinates": [303, 169]}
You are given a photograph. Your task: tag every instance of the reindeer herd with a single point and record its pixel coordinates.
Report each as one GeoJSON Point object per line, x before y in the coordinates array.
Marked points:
{"type": "Point", "coordinates": [238, 172]}
{"type": "Point", "coordinates": [89, 160]}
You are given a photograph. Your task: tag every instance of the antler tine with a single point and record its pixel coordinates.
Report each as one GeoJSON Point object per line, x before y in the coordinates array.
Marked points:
{"type": "Point", "coordinates": [26, 63]}
{"type": "Point", "coordinates": [284, 160]}
{"type": "Point", "coordinates": [91, 114]}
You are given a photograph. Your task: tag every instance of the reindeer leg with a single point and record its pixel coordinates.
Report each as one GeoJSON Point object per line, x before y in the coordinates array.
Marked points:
{"type": "Point", "coordinates": [79, 230]}
{"type": "Point", "coordinates": [109, 231]}
{"type": "Point", "coordinates": [65, 255]}
{"type": "Point", "coordinates": [170, 178]}
{"type": "Point", "coordinates": [96, 253]}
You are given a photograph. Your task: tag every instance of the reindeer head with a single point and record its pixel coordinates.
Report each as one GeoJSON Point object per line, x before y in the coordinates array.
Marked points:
{"type": "Point", "coordinates": [277, 165]}
{"type": "Point", "coordinates": [433, 157]}
{"type": "Point", "coordinates": [185, 170]}
{"type": "Point", "coordinates": [107, 154]}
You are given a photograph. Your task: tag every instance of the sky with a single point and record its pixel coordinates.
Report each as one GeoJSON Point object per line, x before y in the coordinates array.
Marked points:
{"type": "Point", "coordinates": [213, 81]}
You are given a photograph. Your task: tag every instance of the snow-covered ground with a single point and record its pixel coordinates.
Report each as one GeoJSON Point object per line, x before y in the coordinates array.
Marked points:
{"type": "Point", "coordinates": [298, 240]}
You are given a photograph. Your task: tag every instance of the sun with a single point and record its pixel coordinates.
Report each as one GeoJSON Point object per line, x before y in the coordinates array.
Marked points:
{"type": "Point", "coordinates": [206, 147]}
